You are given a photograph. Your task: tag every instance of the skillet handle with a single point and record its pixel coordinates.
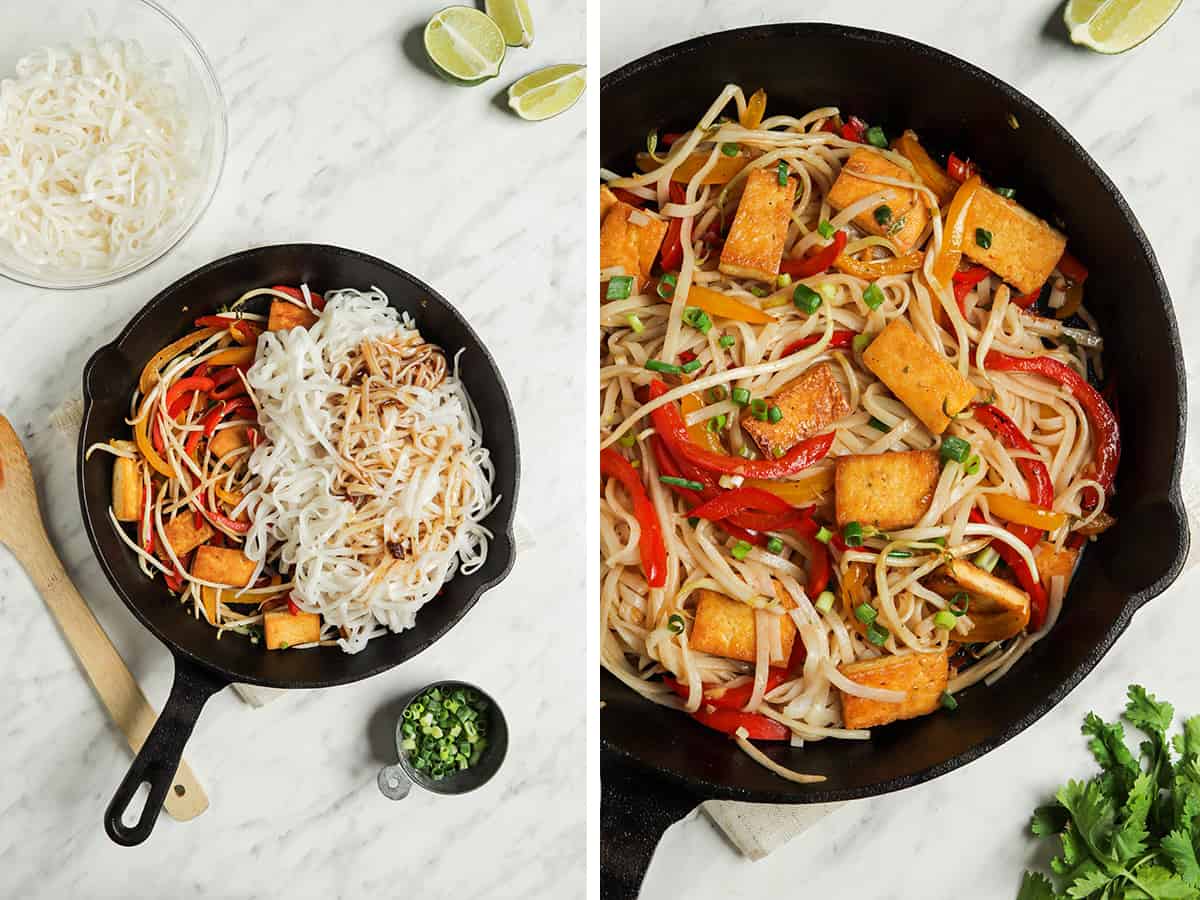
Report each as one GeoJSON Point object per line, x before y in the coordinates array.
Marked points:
{"type": "Point", "coordinates": [636, 807]}
{"type": "Point", "coordinates": [158, 760]}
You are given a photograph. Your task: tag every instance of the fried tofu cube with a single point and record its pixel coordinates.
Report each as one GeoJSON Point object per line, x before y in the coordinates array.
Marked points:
{"type": "Point", "coordinates": [226, 439]}
{"type": "Point", "coordinates": [286, 316]}
{"type": "Point", "coordinates": [887, 490]}
{"type": "Point", "coordinates": [283, 629]}
{"type": "Point", "coordinates": [184, 535]}
{"type": "Point", "coordinates": [909, 216]}
{"type": "Point", "coordinates": [754, 247]}
{"type": "Point", "coordinates": [808, 403]}
{"type": "Point", "coordinates": [224, 566]}
{"type": "Point", "coordinates": [998, 609]}
{"type": "Point", "coordinates": [607, 200]}
{"type": "Point", "coordinates": [127, 489]}
{"type": "Point", "coordinates": [725, 627]}
{"type": "Point", "coordinates": [1023, 251]}
{"type": "Point", "coordinates": [922, 676]}
{"type": "Point", "coordinates": [918, 375]}
{"type": "Point", "coordinates": [1051, 562]}
{"type": "Point", "coordinates": [626, 243]}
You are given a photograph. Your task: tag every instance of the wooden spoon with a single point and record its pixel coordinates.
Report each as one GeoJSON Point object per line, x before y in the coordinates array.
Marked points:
{"type": "Point", "coordinates": [22, 531]}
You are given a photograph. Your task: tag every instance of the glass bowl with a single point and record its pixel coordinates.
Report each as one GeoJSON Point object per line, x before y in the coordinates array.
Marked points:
{"type": "Point", "coordinates": [29, 26]}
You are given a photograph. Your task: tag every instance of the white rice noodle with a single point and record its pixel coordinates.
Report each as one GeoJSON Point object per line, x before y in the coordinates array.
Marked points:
{"type": "Point", "coordinates": [849, 686]}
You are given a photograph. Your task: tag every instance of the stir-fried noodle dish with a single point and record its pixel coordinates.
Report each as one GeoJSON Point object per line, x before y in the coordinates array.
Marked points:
{"type": "Point", "coordinates": [308, 477]}
{"type": "Point", "coordinates": [850, 443]}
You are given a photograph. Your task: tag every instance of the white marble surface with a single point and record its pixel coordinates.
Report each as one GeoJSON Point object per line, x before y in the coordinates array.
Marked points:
{"type": "Point", "coordinates": [964, 835]}
{"type": "Point", "coordinates": [338, 134]}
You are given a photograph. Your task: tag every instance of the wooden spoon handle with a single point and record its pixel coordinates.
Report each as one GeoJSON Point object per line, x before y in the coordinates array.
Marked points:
{"type": "Point", "coordinates": [107, 671]}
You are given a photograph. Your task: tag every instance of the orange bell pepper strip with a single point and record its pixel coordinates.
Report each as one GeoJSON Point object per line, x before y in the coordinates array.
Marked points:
{"type": "Point", "coordinates": [797, 493]}
{"type": "Point", "coordinates": [946, 263]}
{"type": "Point", "coordinates": [689, 404]}
{"type": "Point", "coordinates": [233, 356]}
{"type": "Point", "coordinates": [755, 109]}
{"type": "Point", "coordinates": [931, 174]}
{"type": "Point", "coordinates": [1022, 512]}
{"type": "Point", "coordinates": [717, 304]}
{"type": "Point", "coordinates": [877, 268]}
{"type": "Point", "coordinates": [723, 170]}
{"type": "Point", "coordinates": [149, 376]}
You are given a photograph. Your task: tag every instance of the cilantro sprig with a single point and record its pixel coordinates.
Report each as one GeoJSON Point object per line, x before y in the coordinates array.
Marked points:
{"type": "Point", "coordinates": [1132, 831]}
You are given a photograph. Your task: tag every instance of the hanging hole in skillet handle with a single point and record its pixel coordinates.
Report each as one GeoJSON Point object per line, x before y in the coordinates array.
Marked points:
{"type": "Point", "coordinates": [158, 760]}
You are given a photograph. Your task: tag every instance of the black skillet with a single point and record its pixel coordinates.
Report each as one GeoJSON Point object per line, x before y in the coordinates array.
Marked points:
{"type": "Point", "coordinates": [204, 665]}
{"type": "Point", "coordinates": [658, 765]}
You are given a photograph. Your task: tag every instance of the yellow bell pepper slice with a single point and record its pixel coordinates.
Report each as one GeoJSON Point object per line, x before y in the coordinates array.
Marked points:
{"type": "Point", "coordinates": [233, 356]}
{"type": "Point", "coordinates": [141, 436]}
{"type": "Point", "coordinates": [699, 432]}
{"type": "Point", "coordinates": [755, 109]}
{"type": "Point", "coordinates": [722, 171]}
{"type": "Point", "coordinates": [1071, 304]}
{"type": "Point", "coordinates": [876, 268]}
{"type": "Point", "coordinates": [950, 254]}
{"type": "Point", "coordinates": [149, 376]}
{"type": "Point", "coordinates": [1022, 512]}
{"type": "Point", "coordinates": [798, 493]}
{"type": "Point", "coordinates": [717, 304]}
{"type": "Point", "coordinates": [931, 174]}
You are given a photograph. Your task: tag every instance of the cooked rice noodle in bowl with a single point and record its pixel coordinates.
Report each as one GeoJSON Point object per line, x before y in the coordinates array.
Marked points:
{"type": "Point", "coordinates": [373, 480]}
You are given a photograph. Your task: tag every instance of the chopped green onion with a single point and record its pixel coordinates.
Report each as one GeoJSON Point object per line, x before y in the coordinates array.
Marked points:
{"type": "Point", "coordinates": [1006, 193]}
{"type": "Point", "coordinates": [778, 452]}
{"type": "Point", "coordinates": [635, 323]}
{"type": "Point", "coordinates": [987, 558]}
{"type": "Point", "coordinates": [730, 149]}
{"type": "Point", "coordinates": [782, 172]}
{"type": "Point", "coordinates": [877, 634]}
{"type": "Point", "coordinates": [774, 545]}
{"type": "Point", "coordinates": [446, 731]}
{"type": "Point", "coordinates": [716, 394]}
{"type": "Point", "coordinates": [666, 286]}
{"type": "Point", "coordinates": [619, 288]}
{"type": "Point", "coordinates": [689, 367]}
{"type": "Point", "coordinates": [873, 296]}
{"type": "Point", "coordinates": [954, 448]}
{"type": "Point", "coordinates": [740, 550]}
{"type": "Point", "coordinates": [744, 452]}
{"type": "Point", "coordinates": [675, 623]}
{"type": "Point", "coordinates": [681, 482]}
{"type": "Point", "coordinates": [758, 408]}
{"type": "Point", "coordinates": [740, 396]}
{"type": "Point", "coordinates": [727, 341]}
{"type": "Point", "coordinates": [697, 318]}
{"type": "Point", "coordinates": [758, 290]}
{"type": "Point", "coordinates": [806, 299]}
{"type": "Point", "coordinates": [824, 535]}
{"type": "Point", "coordinates": [972, 466]}
{"type": "Point", "coordinates": [852, 534]}
{"type": "Point", "coordinates": [657, 365]}
{"type": "Point", "coordinates": [879, 426]}
{"type": "Point", "coordinates": [945, 619]}
{"type": "Point", "coordinates": [876, 137]}
{"type": "Point", "coordinates": [865, 613]}
{"type": "Point", "coordinates": [784, 280]}
{"type": "Point", "coordinates": [960, 603]}
{"type": "Point", "coordinates": [717, 423]}
{"type": "Point", "coordinates": [635, 463]}
{"type": "Point", "coordinates": [774, 414]}
{"type": "Point", "coordinates": [861, 341]}
{"type": "Point", "coordinates": [948, 701]}
{"type": "Point", "coordinates": [899, 554]}
{"type": "Point", "coordinates": [983, 238]}
{"type": "Point", "coordinates": [628, 439]}
{"type": "Point", "coordinates": [883, 214]}
{"type": "Point", "coordinates": [825, 229]}
{"type": "Point", "coordinates": [825, 601]}
{"type": "Point", "coordinates": [693, 521]}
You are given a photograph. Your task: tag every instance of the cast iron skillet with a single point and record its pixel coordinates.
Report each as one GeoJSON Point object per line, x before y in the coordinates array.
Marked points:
{"type": "Point", "coordinates": [657, 765]}
{"type": "Point", "coordinates": [204, 665]}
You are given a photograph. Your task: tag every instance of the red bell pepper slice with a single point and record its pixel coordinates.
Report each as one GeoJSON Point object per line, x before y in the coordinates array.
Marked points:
{"type": "Point", "coordinates": [628, 197]}
{"type": "Point", "coordinates": [839, 340]}
{"type": "Point", "coordinates": [1037, 476]}
{"type": "Point", "coordinates": [819, 568]}
{"type": "Point", "coordinates": [1027, 300]}
{"type": "Point", "coordinates": [728, 721]}
{"type": "Point", "coordinates": [959, 170]}
{"type": "Point", "coordinates": [855, 129]}
{"type": "Point", "coordinates": [670, 137]}
{"type": "Point", "coordinates": [650, 542]}
{"type": "Point", "coordinates": [731, 698]}
{"type": "Point", "coordinates": [203, 384]}
{"type": "Point", "coordinates": [221, 322]}
{"type": "Point", "coordinates": [668, 422]}
{"type": "Point", "coordinates": [292, 607]}
{"type": "Point", "coordinates": [1072, 269]}
{"type": "Point", "coordinates": [318, 301]}
{"type": "Point", "coordinates": [1104, 423]}
{"type": "Point", "coordinates": [964, 281]}
{"type": "Point", "coordinates": [228, 383]}
{"type": "Point", "coordinates": [672, 248]}
{"type": "Point", "coordinates": [815, 263]}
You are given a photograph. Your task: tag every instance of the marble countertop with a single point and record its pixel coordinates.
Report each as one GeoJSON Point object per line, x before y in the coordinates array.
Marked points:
{"type": "Point", "coordinates": [964, 835]}
{"type": "Point", "coordinates": [338, 134]}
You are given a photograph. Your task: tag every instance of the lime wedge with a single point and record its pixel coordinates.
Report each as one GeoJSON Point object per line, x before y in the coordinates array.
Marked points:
{"type": "Point", "coordinates": [514, 20]}
{"type": "Point", "coordinates": [547, 92]}
{"type": "Point", "coordinates": [465, 44]}
{"type": "Point", "coordinates": [1114, 26]}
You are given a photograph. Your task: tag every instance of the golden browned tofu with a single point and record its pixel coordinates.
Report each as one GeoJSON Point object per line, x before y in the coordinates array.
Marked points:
{"type": "Point", "coordinates": [227, 439]}
{"type": "Point", "coordinates": [127, 489]}
{"type": "Point", "coordinates": [918, 375]}
{"type": "Point", "coordinates": [184, 535]}
{"type": "Point", "coordinates": [1051, 562]}
{"type": "Point", "coordinates": [1024, 250]}
{"type": "Point", "coordinates": [808, 403]}
{"type": "Point", "coordinates": [922, 676]}
{"type": "Point", "coordinates": [650, 238]}
{"type": "Point", "coordinates": [997, 610]}
{"type": "Point", "coordinates": [283, 629]}
{"type": "Point", "coordinates": [286, 316]}
{"type": "Point", "coordinates": [887, 490]}
{"type": "Point", "coordinates": [909, 213]}
{"type": "Point", "coordinates": [607, 201]}
{"type": "Point", "coordinates": [725, 627]}
{"type": "Point", "coordinates": [223, 565]}
{"type": "Point", "coordinates": [629, 245]}
{"type": "Point", "coordinates": [756, 237]}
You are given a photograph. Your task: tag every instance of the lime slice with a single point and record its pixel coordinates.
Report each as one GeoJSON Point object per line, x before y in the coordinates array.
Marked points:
{"type": "Point", "coordinates": [547, 92]}
{"type": "Point", "coordinates": [465, 44]}
{"type": "Point", "coordinates": [514, 20]}
{"type": "Point", "coordinates": [1114, 26]}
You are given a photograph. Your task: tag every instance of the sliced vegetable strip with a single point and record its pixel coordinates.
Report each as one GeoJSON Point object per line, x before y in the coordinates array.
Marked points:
{"type": "Point", "coordinates": [650, 541]}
